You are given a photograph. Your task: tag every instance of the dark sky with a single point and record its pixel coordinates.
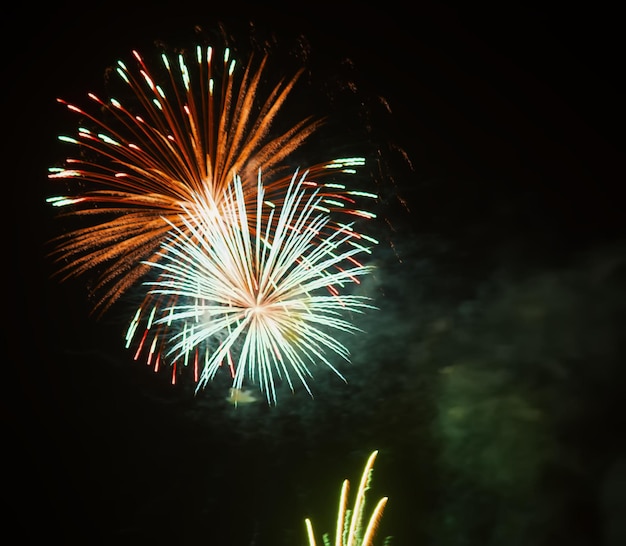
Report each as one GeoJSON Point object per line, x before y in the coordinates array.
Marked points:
{"type": "Point", "coordinates": [509, 116]}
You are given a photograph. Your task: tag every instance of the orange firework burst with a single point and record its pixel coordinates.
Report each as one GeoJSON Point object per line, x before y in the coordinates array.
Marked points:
{"type": "Point", "coordinates": [186, 137]}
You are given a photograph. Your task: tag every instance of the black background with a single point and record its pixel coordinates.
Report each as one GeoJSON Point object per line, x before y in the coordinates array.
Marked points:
{"type": "Point", "coordinates": [510, 117]}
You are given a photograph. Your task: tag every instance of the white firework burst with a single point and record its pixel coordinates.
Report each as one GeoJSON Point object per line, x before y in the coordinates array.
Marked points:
{"type": "Point", "coordinates": [258, 287]}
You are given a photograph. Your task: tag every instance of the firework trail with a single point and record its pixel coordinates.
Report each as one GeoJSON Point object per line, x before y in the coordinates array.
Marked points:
{"type": "Point", "coordinates": [351, 527]}
{"type": "Point", "coordinates": [257, 288]}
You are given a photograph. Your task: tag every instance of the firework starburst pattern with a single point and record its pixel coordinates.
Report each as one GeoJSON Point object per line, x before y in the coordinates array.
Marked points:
{"type": "Point", "coordinates": [262, 300]}
{"type": "Point", "coordinates": [249, 264]}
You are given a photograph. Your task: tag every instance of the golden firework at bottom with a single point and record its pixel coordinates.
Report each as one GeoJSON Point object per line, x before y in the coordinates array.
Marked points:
{"type": "Point", "coordinates": [258, 288]}
{"type": "Point", "coordinates": [352, 530]}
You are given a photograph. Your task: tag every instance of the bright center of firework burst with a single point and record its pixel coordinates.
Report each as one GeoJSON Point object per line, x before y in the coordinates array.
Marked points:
{"type": "Point", "coordinates": [260, 307]}
{"type": "Point", "coordinates": [258, 310]}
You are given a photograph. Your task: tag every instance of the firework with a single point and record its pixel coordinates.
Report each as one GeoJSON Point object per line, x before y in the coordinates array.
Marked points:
{"type": "Point", "coordinates": [149, 330]}
{"type": "Point", "coordinates": [140, 166]}
{"type": "Point", "coordinates": [257, 290]}
{"type": "Point", "coordinates": [350, 529]}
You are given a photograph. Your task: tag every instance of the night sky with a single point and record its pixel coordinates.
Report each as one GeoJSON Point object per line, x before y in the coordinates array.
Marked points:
{"type": "Point", "coordinates": [490, 380]}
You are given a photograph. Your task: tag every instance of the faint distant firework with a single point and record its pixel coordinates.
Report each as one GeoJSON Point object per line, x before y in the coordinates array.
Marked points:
{"type": "Point", "coordinates": [256, 289]}
{"type": "Point", "coordinates": [150, 168]}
